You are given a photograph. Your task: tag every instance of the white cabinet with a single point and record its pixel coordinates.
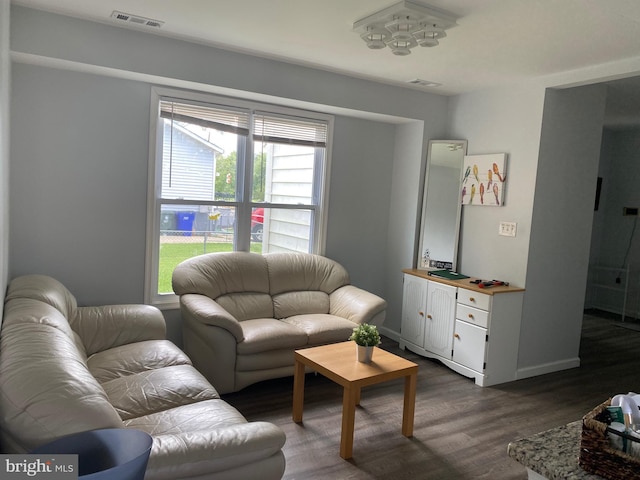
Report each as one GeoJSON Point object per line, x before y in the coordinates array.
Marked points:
{"type": "Point", "coordinates": [414, 302]}
{"type": "Point", "coordinates": [469, 345]}
{"type": "Point", "coordinates": [470, 332]}
{"type": "Point", "coordinates": [428, 314]}
{"type": "Point", "coordinates": [441, 310]}
{"type": "Point", "coordinates": [474, 332]}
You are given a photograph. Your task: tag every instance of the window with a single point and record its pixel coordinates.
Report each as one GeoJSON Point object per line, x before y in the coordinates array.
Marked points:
{"type": "Point", "coordinates": [231, 175]}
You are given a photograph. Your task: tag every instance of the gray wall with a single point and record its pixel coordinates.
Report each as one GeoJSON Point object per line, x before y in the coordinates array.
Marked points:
{"type": "Point", "coordinates": [552, 170]}
{"type": "Point", "coordinates": [79, 149]}
{"type": "Point", "coordinates": [359, 199]}
{"type": "Point", "coordinates": [561, 228]}
{"type": "Point", "coordinates": [80, 129]}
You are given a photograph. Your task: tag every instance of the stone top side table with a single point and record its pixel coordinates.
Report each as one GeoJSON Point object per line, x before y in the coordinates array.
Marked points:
{"type": "Point", "coordinates": [552, 454]}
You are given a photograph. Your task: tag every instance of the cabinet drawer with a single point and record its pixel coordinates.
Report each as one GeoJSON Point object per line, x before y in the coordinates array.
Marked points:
{"type": "Point", "coordinates": [472, 315]}
{"type": "Point", "coordinates": [474, 299]}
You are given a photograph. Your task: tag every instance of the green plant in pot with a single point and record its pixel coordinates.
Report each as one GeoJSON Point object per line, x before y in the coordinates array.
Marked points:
{"type": "Point", "coordinates": [366, 337]}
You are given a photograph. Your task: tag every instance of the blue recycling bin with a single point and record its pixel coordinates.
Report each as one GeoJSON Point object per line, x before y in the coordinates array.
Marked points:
{"type": "Point", "coordinates": [185, 222]}
{"type": "Point", "coordinates": [109, 454]}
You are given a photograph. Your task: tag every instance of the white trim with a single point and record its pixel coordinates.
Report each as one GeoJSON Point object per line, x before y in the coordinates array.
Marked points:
{"type": "Point", "coordinates": [153, 207]}
{"type": "Point", "coordinates": [545, 368]}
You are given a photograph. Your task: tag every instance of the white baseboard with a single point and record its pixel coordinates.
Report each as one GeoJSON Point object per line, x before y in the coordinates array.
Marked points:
{"type": "Point", "coordinates": [545, 368]}
{"type": "Point", "coordinates": [393, 335]}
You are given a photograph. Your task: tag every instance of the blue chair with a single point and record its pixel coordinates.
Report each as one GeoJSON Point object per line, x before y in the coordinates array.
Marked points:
{"type": "Point", "coordinates": [109, 454]}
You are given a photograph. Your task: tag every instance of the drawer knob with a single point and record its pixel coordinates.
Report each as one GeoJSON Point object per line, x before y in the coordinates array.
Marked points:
{"type": "Point", "coordinates": [472, 299]}
{"type": "Point", "coordinates": [471, 316]}
{"type": "Point", "coordinates": [455, 335]}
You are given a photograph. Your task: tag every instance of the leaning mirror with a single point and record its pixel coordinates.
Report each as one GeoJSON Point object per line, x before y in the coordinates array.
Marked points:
{"type": "Point", "coordinates": [441, 205]}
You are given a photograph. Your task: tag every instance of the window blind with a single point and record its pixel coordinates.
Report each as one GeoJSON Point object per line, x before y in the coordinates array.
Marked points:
{"type": "Point", "coordinates": [272, 128]}
{"type": "Point", "coordinates": [220, 118]}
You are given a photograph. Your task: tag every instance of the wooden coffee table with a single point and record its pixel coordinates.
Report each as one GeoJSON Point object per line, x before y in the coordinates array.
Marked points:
{"type": "Point", "coordinates": [338, 362]}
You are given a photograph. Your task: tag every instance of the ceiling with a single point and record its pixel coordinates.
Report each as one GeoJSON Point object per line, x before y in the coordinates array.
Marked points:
{"type": "Point", "coordinates": [495, 42]}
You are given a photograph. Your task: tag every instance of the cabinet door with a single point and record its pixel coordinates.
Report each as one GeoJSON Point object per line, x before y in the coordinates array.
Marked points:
{"type": "Point", "coordinates": [469, 345]}
{"type": "Point", "coordinates": [414, 301]}
{"type": "Point", "coordinates": [441, 309]}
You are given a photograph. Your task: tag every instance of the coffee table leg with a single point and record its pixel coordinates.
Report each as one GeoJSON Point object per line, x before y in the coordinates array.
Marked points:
{"type": "Point", "coordinates": [298, 391]}
{"type": "Point", "coordinates": [408, 412]}
{"type": "Point", "coordinates": [349, 398]}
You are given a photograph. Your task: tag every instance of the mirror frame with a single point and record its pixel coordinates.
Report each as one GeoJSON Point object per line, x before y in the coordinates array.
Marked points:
{"type": "Point", "coordinates": [423, 217]}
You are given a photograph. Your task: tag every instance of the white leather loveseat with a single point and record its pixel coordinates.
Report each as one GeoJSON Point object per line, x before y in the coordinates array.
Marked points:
{"type": "Point", "coordinates": [244, 314]}
{"type": "Point", "coordinates": [67, 369]}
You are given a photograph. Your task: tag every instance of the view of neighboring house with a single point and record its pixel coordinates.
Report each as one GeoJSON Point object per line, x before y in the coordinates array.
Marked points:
{"type": "Point", "coordinates": [189, 170]}
{"type": "Point", "coordinates": [189, 167]}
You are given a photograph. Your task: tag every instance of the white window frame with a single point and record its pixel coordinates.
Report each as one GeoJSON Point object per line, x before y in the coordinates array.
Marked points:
{"type": "Point", "coordinates": [243, 204]}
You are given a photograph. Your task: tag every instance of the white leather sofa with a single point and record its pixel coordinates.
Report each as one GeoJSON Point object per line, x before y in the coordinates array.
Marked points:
{"type": "Point", "coordinates": [66, 369]}
{"type": "Point", "coordinates": [244, 314]}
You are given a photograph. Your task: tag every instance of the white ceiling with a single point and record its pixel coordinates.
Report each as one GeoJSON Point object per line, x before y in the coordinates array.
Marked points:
{"type": "Point", "coordinates": [496, 42]}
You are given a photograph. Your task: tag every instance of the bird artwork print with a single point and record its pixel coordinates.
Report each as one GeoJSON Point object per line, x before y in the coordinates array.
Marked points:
{"type": "Point", "coordinates": [466, 175]}
{"type": "Point", "coordinates": [497, 172]}
{"type": "Point", "coordinates": [488, 179]}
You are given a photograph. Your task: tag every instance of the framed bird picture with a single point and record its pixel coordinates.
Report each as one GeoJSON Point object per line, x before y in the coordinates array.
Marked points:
{"type": "Point", "coordinates": [483, 180]}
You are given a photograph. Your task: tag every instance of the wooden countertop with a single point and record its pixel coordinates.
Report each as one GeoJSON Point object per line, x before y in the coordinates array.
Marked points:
{"type": "Point", "coordinates": [463, 283]}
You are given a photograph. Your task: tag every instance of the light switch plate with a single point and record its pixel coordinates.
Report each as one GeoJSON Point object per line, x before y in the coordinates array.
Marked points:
{"type": "Point", "coordinates": [507, 229]}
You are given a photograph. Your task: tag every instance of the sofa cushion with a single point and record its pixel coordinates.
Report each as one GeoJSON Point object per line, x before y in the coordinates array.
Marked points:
{"type": "Point", "coordinates": [240, 451]}
{"type": "Point", "coordinates": [202, 439]}
{"type": "Point", "coordinates": [46, 388]}
{"type": "Point", "coordinates": [247, 305]}
{"type": "Point", "coordinates": [221, 273]}
{"type": "Point", "coordinates": [158, 390]}
{"type": "Point", "coordinates": [45, 289]}
{"type": "Point", "coordinates": [263, 334]}
{"type": "Point", "coordinates": [134, 358]}
{"type": "Point", "coordinates": [291, 272]}
{"type": "Point", "coordinates": [322, 328]}
{"type": "Point", "coordinates": [264, 360]}
{"type": "Point", "coordinates": [27, 310]}
{"type": "Point", "coordinates": [296, 303]}
{"type": "Point", "coordinates": [194, 417]}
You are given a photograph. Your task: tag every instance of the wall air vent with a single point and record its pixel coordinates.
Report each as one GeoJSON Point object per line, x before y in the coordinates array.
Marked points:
{"type": "Point", "coordinates": [424, 83]}
{"type": "Point", "coordinates": [136, 19]}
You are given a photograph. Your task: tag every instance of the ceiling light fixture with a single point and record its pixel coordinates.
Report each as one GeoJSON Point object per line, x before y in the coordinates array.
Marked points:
{"type": "Point", "coordinates": [404, 26]}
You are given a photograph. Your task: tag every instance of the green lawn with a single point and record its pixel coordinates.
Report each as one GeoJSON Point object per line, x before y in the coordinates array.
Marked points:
{"type": "Point", "coordinates": [171, 254]}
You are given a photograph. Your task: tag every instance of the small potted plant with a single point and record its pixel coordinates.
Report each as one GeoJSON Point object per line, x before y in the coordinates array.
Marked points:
{"type": "Point", "coordinates": [366, 337]}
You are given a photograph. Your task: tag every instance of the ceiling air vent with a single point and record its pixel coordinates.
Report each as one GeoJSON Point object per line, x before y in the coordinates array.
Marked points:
{"type": "Point", "coordinates": [136, 19]}
{"type": "Point", "coordinates": [424, 83]}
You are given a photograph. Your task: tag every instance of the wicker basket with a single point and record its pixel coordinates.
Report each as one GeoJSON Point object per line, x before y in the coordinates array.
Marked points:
{"type": "Point", "coordinates": [598, 457]}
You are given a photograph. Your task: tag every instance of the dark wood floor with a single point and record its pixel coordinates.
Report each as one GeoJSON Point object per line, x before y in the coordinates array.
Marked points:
{"type": "Point", "coordinates": [461, 430]}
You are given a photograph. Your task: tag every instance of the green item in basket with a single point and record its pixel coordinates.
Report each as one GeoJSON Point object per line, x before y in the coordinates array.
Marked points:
{"type": "Point", "coordinates": [616, 415]}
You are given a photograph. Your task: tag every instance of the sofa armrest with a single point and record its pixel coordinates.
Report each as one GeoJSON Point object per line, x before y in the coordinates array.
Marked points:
{"type": "Point", "coordinates": [209, 312]}
{"type": "Point", "coordinates": [198, 453]}
{"type": "Point", "coordinates": [355, 304]}
{"type": "Point", "coordinates": [109, 326]}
